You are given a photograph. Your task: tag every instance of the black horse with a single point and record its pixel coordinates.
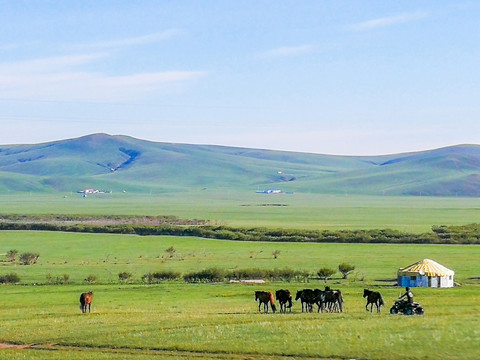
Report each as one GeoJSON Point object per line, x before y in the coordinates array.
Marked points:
{"type": "Point", "coordinates": [333, 300]}
{"type": "Point", "coordinates": [284, 296]}
{"type": "Point", "coordinates": [373, 298]}
{"type": "Point", "coordinates": [307, 297]}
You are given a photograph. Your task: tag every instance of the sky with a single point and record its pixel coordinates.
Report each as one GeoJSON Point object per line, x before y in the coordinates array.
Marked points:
{"type": "Point", "coordinates": [328, 77]}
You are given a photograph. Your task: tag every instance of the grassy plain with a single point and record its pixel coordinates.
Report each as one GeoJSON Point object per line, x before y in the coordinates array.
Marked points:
{"type": "Point", "coordinates": [204, 321]}
{"type": "Point", "coordinates": [238, 208]}
{"type": "Point", "coordinates": [175, 320]}
{"type": "Point", "coordinates": [221, 321]}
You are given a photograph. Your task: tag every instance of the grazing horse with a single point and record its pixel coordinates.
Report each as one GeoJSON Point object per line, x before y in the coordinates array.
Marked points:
{"type": "Point", "coordinates": [284, 297]}
{"type": "Point", "coordinates": [265, 297]}
{"type": "Point", "coordinates": [86, 301]}
{"type": "Point", "coordinates": [373, 298]}
{"type": "Point", "coordinates": [307, 297]}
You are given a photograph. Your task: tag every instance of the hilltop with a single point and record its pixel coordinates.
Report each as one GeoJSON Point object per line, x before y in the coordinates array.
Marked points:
{"type": "Point", "coordinates": [118, 163]}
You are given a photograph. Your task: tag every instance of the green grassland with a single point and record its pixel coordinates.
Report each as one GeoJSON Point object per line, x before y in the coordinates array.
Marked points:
{"type": "Point", "coordinates": [221, 321]}
{"type": "Point", "coordinates": [248, 209]}
{"type": "Point", "coordinates": [205, 321]}
{"type": "Point", "coordinates": [106, 255]}
{"type": "Point", "coordinates": [176, 320]}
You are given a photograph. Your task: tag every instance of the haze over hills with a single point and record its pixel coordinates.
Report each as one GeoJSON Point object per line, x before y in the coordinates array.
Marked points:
{"type": "Point", "coordinates": [117, 163]}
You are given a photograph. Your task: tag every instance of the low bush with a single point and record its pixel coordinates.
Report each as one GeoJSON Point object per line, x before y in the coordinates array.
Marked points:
{"type": "Point", "coordinates": [11, 278]}
{"type": "Point", "coordinates": [125, 276]}
{"type": "Point", "coordinates": [12, 255]}
{"type": "Point", "coordinates": [91, 279]}
{"type": "Point", "coordinates": [29, 258]}
{"type": "Point", "coordinates": [210, 275]}
{"type": "Point", "coordinates": [157, 277]}
{"type": "Point", "coordinates": [285, 274]}
{"type": "Point", "coordinates": [58, 280]}
{"type": "Point", "coordinates": [326, 273]}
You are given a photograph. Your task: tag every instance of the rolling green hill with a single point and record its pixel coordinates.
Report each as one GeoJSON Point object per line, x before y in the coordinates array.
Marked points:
{"type": "Point", "coordinates": [117, 163]}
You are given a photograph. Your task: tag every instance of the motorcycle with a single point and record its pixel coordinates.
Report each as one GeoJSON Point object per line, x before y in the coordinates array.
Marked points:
{"type": "Point", "coordinates": [404, 307]}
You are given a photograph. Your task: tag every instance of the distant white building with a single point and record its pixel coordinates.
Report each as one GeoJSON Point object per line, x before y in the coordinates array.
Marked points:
{"type": "Point", "coordinates": [269, 191]}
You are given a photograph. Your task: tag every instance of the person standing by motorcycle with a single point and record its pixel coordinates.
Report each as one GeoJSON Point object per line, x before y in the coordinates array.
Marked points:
{"type": "Point", "coordinates": [408, 294]}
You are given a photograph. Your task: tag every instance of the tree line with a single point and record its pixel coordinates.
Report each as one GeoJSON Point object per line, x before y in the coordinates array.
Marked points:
{"type": "Point", "coordinates": [443, 234]}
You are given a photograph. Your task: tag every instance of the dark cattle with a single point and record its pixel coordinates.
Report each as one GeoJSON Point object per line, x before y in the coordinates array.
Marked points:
{"type": "Point", "coordinates": [265, 297]}
{"type": "Point", "coordinates": [284, 297]}
{"type": "Point", "coordinates": [373, 298]}
{"type": "Point", "coordinates": [86, 301]}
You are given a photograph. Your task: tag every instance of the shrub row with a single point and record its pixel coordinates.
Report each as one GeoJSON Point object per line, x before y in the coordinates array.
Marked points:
{"type": "Point", "coordinates": [468, 234]}
{"type": "Point", "coordinates": [217, 275]}
{"type": "Point", "coordinates": [157, 277]}
{"type": "Point", "coordinates": [103, 219]}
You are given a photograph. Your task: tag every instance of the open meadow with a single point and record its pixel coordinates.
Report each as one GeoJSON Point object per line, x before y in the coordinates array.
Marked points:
{"type": "Point", "coordinates": [180, 320]}
{"type": "Point", "coordinates": [41, 319]}
{"type": "Point", "coordinates": [249, 209]}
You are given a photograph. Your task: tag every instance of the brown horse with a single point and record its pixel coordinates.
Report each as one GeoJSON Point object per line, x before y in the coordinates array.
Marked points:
{"type": "Point", "coordinates": [265, 297]}
{"type": "Point", "coordinates": [284, 296]}
{"type": "Point", "coordinates": [86, 301]}
{"type": "Point", "coordinates": [373, 298]}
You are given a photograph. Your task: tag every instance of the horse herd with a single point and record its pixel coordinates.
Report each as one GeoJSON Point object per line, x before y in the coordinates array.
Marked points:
{"type": "Point", "coordinates": [326, 300]}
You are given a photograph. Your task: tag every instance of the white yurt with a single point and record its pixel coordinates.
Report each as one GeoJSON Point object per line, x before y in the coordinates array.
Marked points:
{"type": "Point", "coordinates": [426, 273]}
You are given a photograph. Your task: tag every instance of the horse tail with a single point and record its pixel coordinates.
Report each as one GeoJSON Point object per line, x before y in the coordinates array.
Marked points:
{"type": "Point", "coordinates": [340, 301]}
{"type": "Point", "coordinates": [290, 301]}
{"type": "Point", "coordinates": [272, 302]}
{"type": "Point", "coordinates": [380, 300]}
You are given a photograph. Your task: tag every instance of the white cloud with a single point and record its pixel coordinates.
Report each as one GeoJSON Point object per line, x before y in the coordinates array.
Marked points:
{"type": "Point", "coordinates": [130, 41]}
{"type": "Point", "coordinates": [47, 65]}
{"type": "Point", "coordinates": [387, 21]}
{"type": "Point", "coordinates": [288, 51]}
{"type": "Point", "coordinates": [61, 79]}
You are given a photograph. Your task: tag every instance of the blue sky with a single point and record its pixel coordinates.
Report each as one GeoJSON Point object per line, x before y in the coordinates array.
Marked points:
{"type": "Point", "coordinates": [331, 77]}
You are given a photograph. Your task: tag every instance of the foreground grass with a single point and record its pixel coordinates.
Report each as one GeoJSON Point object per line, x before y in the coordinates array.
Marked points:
{"type": "Point", "coordinates": [222, 320]}
{"type": "Point", "coordinates": [248, 209]}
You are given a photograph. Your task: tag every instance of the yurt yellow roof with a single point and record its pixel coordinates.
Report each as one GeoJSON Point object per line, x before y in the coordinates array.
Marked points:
{"type": "Point", "coordinates": [425, 267]}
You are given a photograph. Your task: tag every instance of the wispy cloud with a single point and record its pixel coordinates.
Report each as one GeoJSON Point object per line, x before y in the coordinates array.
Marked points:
{"type": "Point", "coordinates": [387, 21]}
{"type": "Point", "coordinates": [62, 79]}
{"type": "Point", "coordinates": [130, 41]}
{"type": "Point", "coordinates": [286, 51]}
{"type": "Point", "coordinates": [48, 65]}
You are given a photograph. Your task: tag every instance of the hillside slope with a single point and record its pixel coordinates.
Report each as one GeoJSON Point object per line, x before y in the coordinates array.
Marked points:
{"type": "Point", "coordinates": [115, 163]}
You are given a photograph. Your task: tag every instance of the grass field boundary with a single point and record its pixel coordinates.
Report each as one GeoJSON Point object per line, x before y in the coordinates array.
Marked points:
{"type": "Point", "coordinates": [465, 234]}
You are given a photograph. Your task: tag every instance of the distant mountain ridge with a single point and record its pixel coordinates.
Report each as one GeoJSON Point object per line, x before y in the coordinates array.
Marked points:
{"type": "Point", "coordinates": [116, 163]}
